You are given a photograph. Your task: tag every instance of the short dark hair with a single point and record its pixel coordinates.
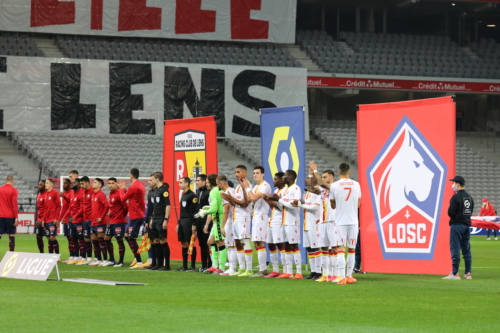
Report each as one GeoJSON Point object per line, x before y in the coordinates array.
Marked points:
{"type": "Point", "coordinates": [113, 179]}
{"type": "Point", "coordinates": [100, 181]}
{"type": "Point", "coordinates": [85, 179]}
{"type": "Point", "coordinates": [279, 174]}
{"type": "Point", "coordinates": [241, 166]}
{"type": "Point", "coordinates": [66, 180]}
{"type": "Point", "coordinates": [330, 172]}
{"type": "Point", "coordinates": [343, 168]}
{"type": "Point", "coordinates": [50, 180]}
{"type": "Point", "coordinates": [202, 177]}
{"type": "Point", "coordinates": [292, 173]}
{"type": "Point", "coordinates": [158, 175]}
{"type": "Point", "coordinates": [74, 172]}
{"type": "Point", "coordinates": [221, 178]}
{"type": "Point", "coordinates": [258, 167]}
{"type": "Point", "coordinates": [43, 180]}
{"type": "Point", "coordinates": [135, 173]}
{"type": "Point", "coordinates": [212, 179]}
{"type": "Point", "coordinates": [77, 179]}
{"type": "Point", "coordinates": [186, 179]}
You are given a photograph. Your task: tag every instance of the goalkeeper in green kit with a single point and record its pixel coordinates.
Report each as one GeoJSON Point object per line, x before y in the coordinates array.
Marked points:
{"type": "Point", "coordinates": [216, 209]}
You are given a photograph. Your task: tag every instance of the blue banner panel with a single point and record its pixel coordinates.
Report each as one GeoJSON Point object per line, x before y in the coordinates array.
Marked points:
{"type": "Point", "coordinates": [283, 145]}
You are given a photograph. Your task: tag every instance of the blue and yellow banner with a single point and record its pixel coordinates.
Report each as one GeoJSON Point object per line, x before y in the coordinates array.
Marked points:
{"type": "Point", "coordinates": [283, 144]}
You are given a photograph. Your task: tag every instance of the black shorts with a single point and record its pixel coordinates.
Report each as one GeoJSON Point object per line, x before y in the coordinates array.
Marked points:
{"type": "Point", "coordinates": [50, 229]}
{"type": "Point", "coordinates": [39, 230]}
{"type": "Point", "coordinates": [98, 229]}
{"type": "Point", "coordinates": [157, 231]}
{"type": "Point", "coordinates": [185, 229]}
{"type": "Point", "coordinates": [66, 229]}
{"type": "Point", "coordinates": [7, 226]}
{"type": "Point", "coordinates": [77, 229]}
{"type": "Point", "coordinates": [117, 230]}
{"type": "Point", "coordinates": [87, 228]}
{"type": "Point", "coordinates": [134, 227]}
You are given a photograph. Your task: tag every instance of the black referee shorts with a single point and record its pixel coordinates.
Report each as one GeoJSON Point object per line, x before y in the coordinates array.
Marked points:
{"type": "Point", "coordinates": [157, 231]}
{"type": "Point", "coordinates": [185, 229]}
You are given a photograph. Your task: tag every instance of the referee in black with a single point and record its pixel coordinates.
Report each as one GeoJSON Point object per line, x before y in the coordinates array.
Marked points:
{"type": "Point", "coordinates": [187, 224]}
{"type": "Point", "coordinates": [202, 194]}
{"type": "Point", "coordinates": [159, 221]}
{"type": "Point", "coordinates": [460, 211]}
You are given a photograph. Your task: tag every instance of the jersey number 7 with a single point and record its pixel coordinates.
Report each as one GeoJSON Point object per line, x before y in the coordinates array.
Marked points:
{"type": "Point", "coordinates": [349, 194]}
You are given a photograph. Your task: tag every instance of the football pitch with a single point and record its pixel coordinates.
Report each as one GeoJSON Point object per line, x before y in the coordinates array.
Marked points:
{"type": "Point", "coordinates": [197, 302]}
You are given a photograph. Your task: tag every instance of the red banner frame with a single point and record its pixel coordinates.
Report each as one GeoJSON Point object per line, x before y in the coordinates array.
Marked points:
{"type": "Point", "coordinates": [181, 160]}
{"type": "Point", "coordinates": [380, 130]}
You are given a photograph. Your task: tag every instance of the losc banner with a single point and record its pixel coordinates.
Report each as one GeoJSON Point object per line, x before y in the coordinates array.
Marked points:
{"type": "Point", "coordinates": [118, 97]}
{"type": "Point", "coordinates": [28, 266]}
{"type": "Point", "coordinates": [189, 149]}
{"type": "Point", "coordinates": [244, 20]}
{"type": "Point", "coordinates": [405, 161]}
{"type": "Point", "coordinates": [283, 145]}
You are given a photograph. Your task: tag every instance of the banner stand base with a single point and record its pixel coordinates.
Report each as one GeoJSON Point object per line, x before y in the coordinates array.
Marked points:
{"type": "Point", "coordinates": [104, 282]}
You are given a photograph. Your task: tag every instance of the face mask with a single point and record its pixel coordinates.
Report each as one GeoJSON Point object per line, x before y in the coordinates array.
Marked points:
{"type": "Point", "coordinates": [454, 187]}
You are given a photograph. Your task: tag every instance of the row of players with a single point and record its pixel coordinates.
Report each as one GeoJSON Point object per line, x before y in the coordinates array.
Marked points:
{"type": "Point", "coordinates": [233, 211]}
{"type": "Point", "coordinates": [242, 214]}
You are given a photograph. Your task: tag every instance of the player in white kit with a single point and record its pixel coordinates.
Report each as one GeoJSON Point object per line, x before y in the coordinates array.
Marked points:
{"type": "Point", "coordinates": [260, 216]}
{"type": "Point", "coordinates": [313, 210]}
{"type": "Point", "coordinates": [275, 229]}
{"type": "Point", "coordinates": [346, 199]}
{"type": "Point", "coordinates": [241, 222]}
{"type": "Point", "coordinates": [327, 228]}
{"type": "Point", "coordinates": [291, 225]}
{"type": "Point", "coordinates": [227, 225]}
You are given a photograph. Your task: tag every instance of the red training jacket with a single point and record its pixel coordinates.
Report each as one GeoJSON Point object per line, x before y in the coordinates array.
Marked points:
{"type": "Point", "coordinates": [52, 206]}
{"type": "Point", "coordinates": [490, 211]}
{"type": "Point", "coordinates": [75, 208]}
{"type": "Point", "coordinates": [66, 201]}
{"type": "Point", "coordinates": [8, 201]}
{"type": "Point", "coordinates": [135, 196]}
{"type": "Point", "coordinates": [118, 208]}
{"type": "Point", "coordinates": [100, 208]}
{"type": "Point", "coordinates": [40, 202]}
{"type": "Point", "coordinates": [87, 204]}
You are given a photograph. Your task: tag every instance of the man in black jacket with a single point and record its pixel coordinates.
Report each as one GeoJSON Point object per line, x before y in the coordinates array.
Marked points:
{"type": "Point", "coordinates": [202, 194]}
{"type": "Point", "coordinates": [460, 211]}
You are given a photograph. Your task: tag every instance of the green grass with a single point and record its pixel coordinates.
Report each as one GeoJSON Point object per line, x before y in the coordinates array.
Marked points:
{"type": "Point", "coordinates": [195, 302]}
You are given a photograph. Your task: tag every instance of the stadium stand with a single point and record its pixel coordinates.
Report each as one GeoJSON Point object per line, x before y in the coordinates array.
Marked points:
{"type": "Point", "coordinates": [18, 44]}
{"type": "Point", "coordinates": [400, 55]}
{"type": "Point", "coordinates": [27, 195]}
{"type": "Point", "coordinates": [140, 49]}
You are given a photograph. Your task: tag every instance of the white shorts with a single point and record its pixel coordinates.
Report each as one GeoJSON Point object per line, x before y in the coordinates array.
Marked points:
{"type": "Point", "coordinates": [331, 232]}
{"type": "Point", "coordinates": [259, 228]}
{"type": "Point", "coordinates": [229, 229]}
{"type": "Point", "coordinates": [275, 234]}
{"type": "Point", "coordinates": [311, 238]}
{"type": "Point", "coordinates": [324, 241]}
{"type": "Point", "coordinates": [292, 234]}
{"type": "Point", "coordinates": [242, 228]}
{"type": "Point", "coordinates": [347, 235]}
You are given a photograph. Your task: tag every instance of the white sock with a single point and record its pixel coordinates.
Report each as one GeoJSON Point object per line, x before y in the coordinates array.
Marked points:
{"type": "Point", "coordinates": [241, 259]}
{"type": "Point", "coordinates": [329, 267]}
{"type": "Point", "coordinates": [298, 261]}
{"type": "Point", "coordinates": [274, 261]}
{"type": "Point", "coordinates": [248, 259]}
{"type": "Point", "coordinates": [334, 263]}
{"type": "Point", "coordinates": [350, 262]}
{"type": "Point", "coordinates": [341, 264]}
{"type": "Point", "coordinates": [312, 261]}
{"type": "Point", "coordinates": [324, 262]}
{"type": "Point", "coordinates": [318, 262]}
{"type": "Point", "coordinates": [262, 257]}
{"type": "Point", "coordinates": [284, 261]}
{"type": "Point", "coordinates": [289, 260]}
{"type": "Point", "coordinates": [232, 258]}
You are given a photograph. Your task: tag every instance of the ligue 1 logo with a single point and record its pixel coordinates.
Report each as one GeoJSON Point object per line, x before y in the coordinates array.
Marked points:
{"type": "Point", "coordinates": [406, 181]}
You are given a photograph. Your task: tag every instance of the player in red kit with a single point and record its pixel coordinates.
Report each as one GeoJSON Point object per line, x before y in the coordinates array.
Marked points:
{"type": "Point", "coordinates": [8, 211]}
{"type": "Point", "coordinates": [100, 208]}
{"type": "Point", "coordinates": [40, 210]}
{"type": "Point", "coordinates": [75, 219]}
{"type": "Point", "coordinates": [51, 215]}
{"type": "Point", "coordinates": [88, 192]}
{"type": "Point", "coordinates": [118, 211]}
{"type": "Point", "coordinates": [66, 197]}
{"type": "Point", "coordinates": [135, 195]}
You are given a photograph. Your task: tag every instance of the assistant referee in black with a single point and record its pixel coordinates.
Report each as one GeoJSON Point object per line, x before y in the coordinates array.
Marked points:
{"type": "Point", "coordinates": [460, 211]}
{"type": "Point", "coordinates": [202, 193]}
{"type": "Point", "coordinates": [187, 224]}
